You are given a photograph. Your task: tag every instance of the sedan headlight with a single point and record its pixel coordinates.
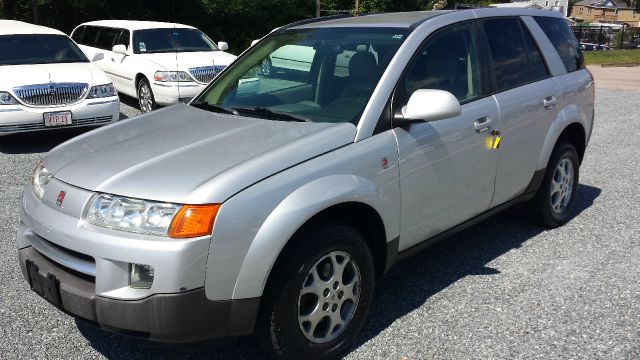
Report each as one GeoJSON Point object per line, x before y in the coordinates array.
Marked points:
{"type": "Point", "coordinates": [39, 179]}
{"type": "Point", "coordinates": [102, 91]}
{"type": "Point", "coordinates": [7, 99]}
{"type": "Point", "coordinates": [172, 76]}
{"type": "Point", "coordinates": [151, 217]}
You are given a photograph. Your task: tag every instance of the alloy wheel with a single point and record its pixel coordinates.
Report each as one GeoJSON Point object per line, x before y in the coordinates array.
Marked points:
{"type": "Point", "coordinates": [329, 297]}
{"type": "Point", "coordinates": [562, 185]}
{"type": "Point", "coordinates": [145, 98]}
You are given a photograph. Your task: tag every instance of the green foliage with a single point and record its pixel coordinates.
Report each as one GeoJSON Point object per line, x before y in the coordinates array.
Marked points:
{"type": "Point", "coordinates": [238, 22]}
{"type": "Point", "coordinates": [612, 57]}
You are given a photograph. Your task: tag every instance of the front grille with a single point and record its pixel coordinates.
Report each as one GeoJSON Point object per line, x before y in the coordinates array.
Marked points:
{"type": "Point", "coordinates": [206, 73]}
{"type": "Point", "coordinates": [51, 94]}
{"type": "Point", "coordinates": [70, 260]}
{"type": "Point", "coordinates": [40, 126]}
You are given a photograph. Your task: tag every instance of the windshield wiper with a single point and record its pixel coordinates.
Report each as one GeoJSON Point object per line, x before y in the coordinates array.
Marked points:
{"type": "Point", "coordinates": [273, 114]}
{"type": "Point", "coordinates": [214, 108]}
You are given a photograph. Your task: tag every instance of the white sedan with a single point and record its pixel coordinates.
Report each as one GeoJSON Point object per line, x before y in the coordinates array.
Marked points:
{"type": "Point", "coordinates": [47, 82]}
{"type": "Point", "coordinates": [158, 63]}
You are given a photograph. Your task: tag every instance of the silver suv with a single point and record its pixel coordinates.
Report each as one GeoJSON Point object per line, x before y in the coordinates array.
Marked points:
{"type": "Point", "coordinates": [271, 204]}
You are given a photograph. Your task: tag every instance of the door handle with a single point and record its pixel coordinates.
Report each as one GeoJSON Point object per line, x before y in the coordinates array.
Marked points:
{"type": "Point", "coordinates": [483, 124]}
{"type": "Point", "coordinates": [549, 102]}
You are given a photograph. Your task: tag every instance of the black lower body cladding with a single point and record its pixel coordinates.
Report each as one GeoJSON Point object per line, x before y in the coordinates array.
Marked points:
{"type": "Point", "coordinates": [178, 318]}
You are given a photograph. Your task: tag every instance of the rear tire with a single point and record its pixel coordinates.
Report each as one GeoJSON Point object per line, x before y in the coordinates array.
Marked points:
{"type": "Point", "coordinates": [318, 296]}
{"type": "Point", "coordinates": [554, 203]}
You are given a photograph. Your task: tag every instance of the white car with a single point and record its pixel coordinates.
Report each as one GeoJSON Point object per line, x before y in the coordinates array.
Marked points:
{"type": "Point", "coordinates": [297, 58]}
{"type": "Point", "coordinates": [157, 63]}
{"type": "Point", "coordinates": [47, 82]}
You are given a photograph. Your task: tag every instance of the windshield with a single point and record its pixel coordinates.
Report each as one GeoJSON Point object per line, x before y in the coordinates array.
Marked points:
{"type": "Point", "coordinates": [38, 49]}
{"type": "Point", "coordinates": [321, 74]}
{"type": "Point", "coordinates": [171, 40]}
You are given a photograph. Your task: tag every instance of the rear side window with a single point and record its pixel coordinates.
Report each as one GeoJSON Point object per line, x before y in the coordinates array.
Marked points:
{"type": "Point", "coordinates": [77, 34]}
{"type": "Point", "coordinates": [563, 40]}
{"type": "Point", "coordinates": [516, 58]}
{"type": "Point", "coordinates": [89, 36]}
{"type": "Point", "coordinates": [106, 38]}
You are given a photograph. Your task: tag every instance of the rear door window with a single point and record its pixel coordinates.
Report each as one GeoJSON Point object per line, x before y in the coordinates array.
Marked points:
{"type": "Point", "coordinates": [563, 40]}
{"type": "Point", "coordinates": [516, 57]}
{"type": "Point", "coordinates": [537, 65]}
{"type": "Point", "coordinates": [508, 51]}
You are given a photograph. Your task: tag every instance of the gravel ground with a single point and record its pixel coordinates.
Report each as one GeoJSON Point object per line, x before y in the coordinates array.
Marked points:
{"type": "Point", "coordinates": [503, 289]}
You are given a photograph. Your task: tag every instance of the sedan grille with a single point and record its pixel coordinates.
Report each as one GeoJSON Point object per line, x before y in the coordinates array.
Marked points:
{"type": "Point", "coordinates": [205, 74]}
{"type": "Point", "coordinates": [51, 94]}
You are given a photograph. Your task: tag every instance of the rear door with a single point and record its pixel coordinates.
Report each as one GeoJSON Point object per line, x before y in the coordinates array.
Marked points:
{"type": "Point", "coordinates": [529, 100]}
{"type": "Point", "coordinates": [577, 83]}
{"type": "Point", "coordinates": [446, 170]}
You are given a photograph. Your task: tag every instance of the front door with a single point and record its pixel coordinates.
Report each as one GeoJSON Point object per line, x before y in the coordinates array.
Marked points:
{"type": "Point", "coordinates": [447, 167]}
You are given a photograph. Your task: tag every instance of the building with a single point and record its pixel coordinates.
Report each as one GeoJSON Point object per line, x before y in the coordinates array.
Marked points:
{"type": "Point", "coordinates": [605, 11]}
{"type": "Point", "coordinates": [557, 5]}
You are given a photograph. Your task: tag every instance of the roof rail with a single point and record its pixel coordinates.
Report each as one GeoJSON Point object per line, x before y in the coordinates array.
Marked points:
{"type": "Point", "coordinates": [315, 20]}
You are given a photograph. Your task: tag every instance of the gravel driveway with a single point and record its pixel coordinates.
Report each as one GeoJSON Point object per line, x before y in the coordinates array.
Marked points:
{"type": "Point", "coordinates": [503, 289]}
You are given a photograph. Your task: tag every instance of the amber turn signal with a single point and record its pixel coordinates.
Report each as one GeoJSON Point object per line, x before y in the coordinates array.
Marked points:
{"type": "Point", "coordinates": [193, 221]}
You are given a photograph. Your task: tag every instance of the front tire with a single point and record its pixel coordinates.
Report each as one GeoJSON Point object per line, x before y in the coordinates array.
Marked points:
{"type": "Point", "coordinates": [146, 100]}
{"type": "Point", "coordinates": [319, 295]}
{"type": "Point", "coordinates": [556, 198]}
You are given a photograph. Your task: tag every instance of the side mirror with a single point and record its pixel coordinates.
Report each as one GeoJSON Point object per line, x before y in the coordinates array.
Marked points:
{"type": "Point", "coordinates": [97, 56]}
{"type": "Point", "coordinates": [119, 49]}
{"type": "Point", "coordinates": [430, 105]}
{"type": "Point", "coordinates": [223, 46]}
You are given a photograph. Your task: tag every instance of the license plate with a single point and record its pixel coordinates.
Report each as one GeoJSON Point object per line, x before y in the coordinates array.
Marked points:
{"type": "Point", "coordinates": [61, 118]}
{"type": "Point", "coordinates": [46, 286]}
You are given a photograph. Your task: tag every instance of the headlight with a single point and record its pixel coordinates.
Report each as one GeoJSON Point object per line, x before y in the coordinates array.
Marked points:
{"type": "Point", "coordinates": [151, 217]}
{"type": "Point", "coordinates": [39, 179]}
{"type": "Point", "coordinates": [172, 76]}
{"type": "Point", "coordinates": [102, 91]}
{"type": "Point", "coordinates": [7, 99]}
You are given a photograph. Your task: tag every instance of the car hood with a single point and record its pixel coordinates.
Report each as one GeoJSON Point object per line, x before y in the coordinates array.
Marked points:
{"type": "Point", "coordinates": [20, 75]}
{"type": "Point", "coordinates": [182, 154]}
{"type": "Point", "coordinates": [187, 60]}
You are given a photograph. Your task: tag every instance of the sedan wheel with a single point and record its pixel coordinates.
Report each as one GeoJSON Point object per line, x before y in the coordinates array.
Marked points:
{"type": "Point", "coordinates": [145, 97]}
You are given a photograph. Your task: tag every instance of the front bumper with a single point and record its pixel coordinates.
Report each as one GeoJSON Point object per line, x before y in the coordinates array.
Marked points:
{"type": "Point", "coordinates": [180, 318]}
{"type": "Point", "coordinates": [171, 93]}
{"type": "Point", "coordinates": [93, 112]}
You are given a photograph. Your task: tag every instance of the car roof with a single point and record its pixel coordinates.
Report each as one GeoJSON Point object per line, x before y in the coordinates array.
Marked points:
{"type": "Point", "coordinates": [13, 27]}
{"type": "Point", "coordinates": [137, 25]}
{"type": "Point", "coordinates": [409, 19]}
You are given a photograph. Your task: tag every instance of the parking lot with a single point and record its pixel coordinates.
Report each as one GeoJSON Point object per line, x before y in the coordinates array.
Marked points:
{"type": "Point", "coordinates": [503, 289]}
